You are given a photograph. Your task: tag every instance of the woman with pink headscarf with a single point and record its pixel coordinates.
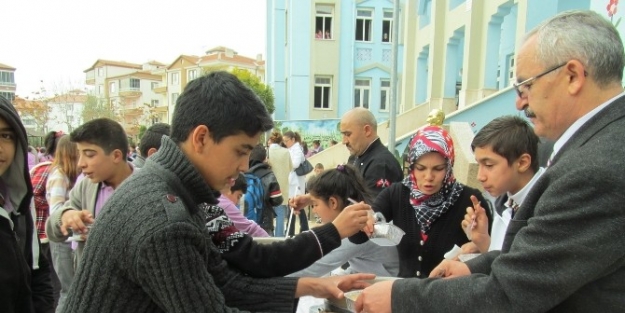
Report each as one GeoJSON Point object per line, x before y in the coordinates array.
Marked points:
{"type": "Point", "coordinates": [428, 204]}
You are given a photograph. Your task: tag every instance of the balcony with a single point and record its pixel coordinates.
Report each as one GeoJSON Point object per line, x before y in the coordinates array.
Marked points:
{"type": "Point", "coordinates": [162, 88]}
{"type": "Point", "coordinates": [90, 78]}
{"type": "Point", "coordinates": [160, 109]}
{"type": "Point", "coordinates": [130, 92]}
{"type": "Point", "coordinates": [131, 113]}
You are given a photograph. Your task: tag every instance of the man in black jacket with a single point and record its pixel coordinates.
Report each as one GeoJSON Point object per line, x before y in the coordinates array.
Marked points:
{"type": "Point", "coordinates": [24, 273]}
{"type": "Point", "coordinates": [377, 165]}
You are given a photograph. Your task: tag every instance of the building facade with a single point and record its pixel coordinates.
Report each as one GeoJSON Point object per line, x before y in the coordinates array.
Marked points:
{"type": "Point", "coordinates": [7, 82]}
{"type": "Point", "coordinates": [66, 111]}
{"type": "Point", "coordinates": [129, 91]}
{"type": "Point", "coordinates": [176, 75]}
{"type": "Point", "coordinates": [452, 54]}
{"type": "Point", "coordinates": [326, 57]}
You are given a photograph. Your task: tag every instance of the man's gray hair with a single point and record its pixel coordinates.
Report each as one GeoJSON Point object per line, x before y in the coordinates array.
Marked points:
{"type": "Point", "coordinates": [585, 36]}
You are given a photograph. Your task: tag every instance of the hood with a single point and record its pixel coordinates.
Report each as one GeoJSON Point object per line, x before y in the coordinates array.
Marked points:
{"type": "Point", "coordinates": [16, 178]}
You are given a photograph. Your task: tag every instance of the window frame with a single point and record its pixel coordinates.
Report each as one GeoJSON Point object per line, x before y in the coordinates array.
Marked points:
{"type": "Point", "coordinates": [324, 19]}
{"type": "Point", "coordinates": [189, 78]}
{"type": "Point", "coordinates": [325, 91]}
{"type": "Point", "coordinates": [362, 93]}
{"type": "Point", "coordinates": [385, 95]}
{"type": "Point", "coordinates": [366, 28]}
{"type": "Point", "coordinates": [174, 78]}
{"type": "Point", "coordinates": [388, 20]}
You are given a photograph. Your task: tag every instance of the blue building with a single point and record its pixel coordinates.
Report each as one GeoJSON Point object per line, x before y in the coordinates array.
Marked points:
{"type": "Point", "coordinates": [454, 55]}
{"type": "Point", "coordinates": [326, 57]}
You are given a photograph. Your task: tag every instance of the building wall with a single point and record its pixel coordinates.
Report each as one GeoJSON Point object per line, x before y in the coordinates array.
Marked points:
{"type": "Point", "coordinates": [302, 58]}
{"type": "Point", "coordinates": [7, 83]}
{"type": "Point", "coordinates": [276, 40]}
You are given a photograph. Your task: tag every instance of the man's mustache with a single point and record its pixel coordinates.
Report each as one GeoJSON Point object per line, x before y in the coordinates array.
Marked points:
{"type": "Point", "coordinates": [529, 113]}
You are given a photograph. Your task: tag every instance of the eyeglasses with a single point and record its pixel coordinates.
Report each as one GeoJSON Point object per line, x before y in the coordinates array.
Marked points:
{"type": "Point", "coordinates": [528, 82]}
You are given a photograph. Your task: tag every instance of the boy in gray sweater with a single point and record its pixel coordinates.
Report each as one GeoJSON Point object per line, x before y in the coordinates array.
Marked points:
{"type": "Point", "coordinates": [150, 249]}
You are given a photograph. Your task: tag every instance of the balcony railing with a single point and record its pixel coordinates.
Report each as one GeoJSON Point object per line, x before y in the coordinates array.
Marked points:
{"type": "Point", "coordinates": [90, 78]}
{"type": "Point", "coordinates": [130, 92]}
{"type": "Point", "coordinates": [7, 84]}
{"type": "Point", "coordinates": [161, 88]}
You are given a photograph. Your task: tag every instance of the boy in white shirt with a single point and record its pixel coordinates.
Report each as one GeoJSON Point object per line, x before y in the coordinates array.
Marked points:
{"type": "Point", "coordinates": [506, 150]}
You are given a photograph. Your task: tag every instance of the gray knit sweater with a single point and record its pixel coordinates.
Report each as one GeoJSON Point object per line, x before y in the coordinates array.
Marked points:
{"type": "Point", "coordinates": [149, 251]}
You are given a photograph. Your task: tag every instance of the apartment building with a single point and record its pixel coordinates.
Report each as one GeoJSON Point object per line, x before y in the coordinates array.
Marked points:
{"type": "Point", "coordinates": [7, 82]}
{"type": "Point", "coordinates": [176, 75]}
{"type": "Point", "coordinates": [65, 110]}
{"type": "Point", "coordinates": [326, 57]}
{"type": "Point", "coordinates": [128, 89]}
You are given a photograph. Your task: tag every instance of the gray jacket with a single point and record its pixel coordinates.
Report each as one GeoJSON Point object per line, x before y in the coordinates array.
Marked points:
{"type": "Point", "coordinates": [82, 197]}
{"type": "Point", "coordinates": [564, 249]}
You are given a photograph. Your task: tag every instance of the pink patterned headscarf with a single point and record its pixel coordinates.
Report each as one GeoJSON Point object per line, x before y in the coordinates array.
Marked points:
{"type": "Point", "coordinates": [428, 208]}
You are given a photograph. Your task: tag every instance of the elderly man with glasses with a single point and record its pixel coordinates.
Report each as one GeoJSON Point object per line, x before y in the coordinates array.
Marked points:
{"type": "Point", "coordinates": [563, 251]}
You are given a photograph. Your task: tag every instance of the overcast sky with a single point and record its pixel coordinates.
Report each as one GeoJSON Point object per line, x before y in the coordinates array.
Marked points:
{"type": "Point", "coordinates": [56, 40]}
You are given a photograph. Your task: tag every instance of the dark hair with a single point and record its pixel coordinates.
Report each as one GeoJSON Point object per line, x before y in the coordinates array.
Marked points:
{"type": "Point", "coordinates": [342, 182]}
{"type": "Point", "coordinates": [258, 153]}
{"type": "Point", "coordinates": [276, 137]}
{"type": "Point", "coordinates": [290, 135]}
{"type": "Point", "coordinates": [239, 184]}
{"type": "Point", "coordinates": [319, 165]}
{"type": "Point", "coordinates": [304, 147]}
{"type": "Point", "coordinates": [152, 137]}
{"type": "Point", "coordinates": [51, 140]}
{"type": "Point", "coordinates": [334, 142]}
{"type": "Point", "coordinates": [221, 102]}
{"type": "Point", "coordinates": [509, 136]}
{"type": "Point", "coordinates": [104, 133]}
{"type": "Point", "coordinates": [316, 142]}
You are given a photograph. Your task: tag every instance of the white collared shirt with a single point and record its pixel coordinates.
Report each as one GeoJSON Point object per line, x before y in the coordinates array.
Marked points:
{"type": "Point", "coordinates": [578, 124]}
{"type": "Point", "coordinates": [500, 222]}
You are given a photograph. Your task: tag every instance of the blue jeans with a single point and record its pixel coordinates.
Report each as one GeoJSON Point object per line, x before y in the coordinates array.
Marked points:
{"type": "Point", "coordinates": [280, 213]}
{"type": "Point", "coordinates": [63, 263]}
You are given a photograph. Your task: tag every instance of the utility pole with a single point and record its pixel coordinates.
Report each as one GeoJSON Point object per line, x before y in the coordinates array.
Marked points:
{"type": "Point", "coordinates": [393, 97]}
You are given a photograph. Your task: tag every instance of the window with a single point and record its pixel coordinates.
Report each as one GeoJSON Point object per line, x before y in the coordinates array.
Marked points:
{"type": "Point", "coordinates": [387, 27]}
{"type": "Point", "coordinates": [154, 85]}
{"type": "Point", "coordinates": [323, 22]}
{"type": "Point", "coordinates": [100, 89]}
{"type": "Point", "coordinates": [363, 25]}
{"type": "Point", "coordinates": [155, 103]}
{"type": "Point", "coordinates": [7, 78]}
{"type": "Point", "coordinates": [100, 71]}
{"type": "Point", "coordinates": [174, 78]}
{"type": "Point", "coordinates": [174, 98]}
{"type": "Point", "coordinates": [323, 90]}
{"type": "Point", "coordinates": [361, 93]}
{"type": "Point", "coordinates": [112, 87]}
{"type": "Point", "coordinates": [511, 68]}
{"type": "Point", "coordinates": [135, 83]}
{"type": "Point", "coordinates": [385, 93]}
{"type": "Point", "coordinates": [7, 95]}
{"type": "Point", "coordinates": [191, 75]}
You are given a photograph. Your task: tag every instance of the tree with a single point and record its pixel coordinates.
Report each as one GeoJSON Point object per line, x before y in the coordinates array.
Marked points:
{"type": "Point", "coordinates": [36, 110]}
{"type": "Point", "coordinates": [65, 106]}
{"type": "Point", "coordinates": [65, 103]}
{"type": "Point", "coordinates": [264, 92]}
{"type": "Point", "coordinates": [97, 108]}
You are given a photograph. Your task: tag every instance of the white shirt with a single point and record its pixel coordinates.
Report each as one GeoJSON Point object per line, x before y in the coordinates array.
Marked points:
{"type": "Point", "coordinates": [500, 222]}
{"type": "Point", "coordinates": [578, 124]}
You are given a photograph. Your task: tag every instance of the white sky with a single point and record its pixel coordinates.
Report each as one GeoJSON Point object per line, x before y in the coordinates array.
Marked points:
{"type": "Point", "coordinates": [56, 40]}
